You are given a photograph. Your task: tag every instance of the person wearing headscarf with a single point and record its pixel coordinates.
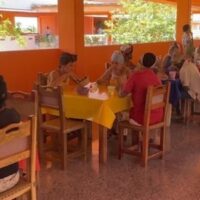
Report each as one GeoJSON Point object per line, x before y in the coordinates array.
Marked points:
{"type": "Point", "coordinates": [117, 73]}
{"type": "Point", "coordinates": [64, 74]}
{"type": "Point", "coordinates": [137, 85]}
{"type": "Point", "coordinates": [127, 51]}
{"type": "Point", "coordinates": [9, 175]}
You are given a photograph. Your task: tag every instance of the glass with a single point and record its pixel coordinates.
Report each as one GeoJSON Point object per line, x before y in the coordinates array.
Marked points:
{"type": "Point", "coordinates": [111, 90]}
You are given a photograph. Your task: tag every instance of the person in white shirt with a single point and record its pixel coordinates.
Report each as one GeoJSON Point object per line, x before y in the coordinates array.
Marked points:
{"type": "Point", "coordinates": [190, 78]}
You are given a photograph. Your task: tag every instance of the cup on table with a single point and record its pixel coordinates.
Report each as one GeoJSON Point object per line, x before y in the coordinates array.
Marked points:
{"type": "Point", "coordinates": [111, 90]}
{"type": "Point", "coordinates": [172, 75]}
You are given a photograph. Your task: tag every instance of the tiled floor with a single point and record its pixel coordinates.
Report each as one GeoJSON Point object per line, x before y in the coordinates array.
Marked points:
{"type": "Point", "coordinates": [176, 177]}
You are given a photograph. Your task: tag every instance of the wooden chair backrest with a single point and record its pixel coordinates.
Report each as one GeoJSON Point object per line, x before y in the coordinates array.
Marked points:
{"type": "Point", "coordinates": [18, 142]}
{"type": "Point", "coordinates": [51, 98]}
{"type": "Point", "coordinates": [20, 95]}
{"type": "Point", "coordinates": [42, 78]}
{"type": "Point", "coordinates": [156, 97]}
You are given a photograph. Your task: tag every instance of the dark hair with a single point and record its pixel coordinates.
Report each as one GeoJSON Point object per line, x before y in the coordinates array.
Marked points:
{"type": "Point", "coordinates": [148, 59]}
{"type": "Point", "coordinates": [186, 27]}
{"type": "Point", "coordinates": [66, 58]}
{"type": "Point", "coordinates": [3, 91]}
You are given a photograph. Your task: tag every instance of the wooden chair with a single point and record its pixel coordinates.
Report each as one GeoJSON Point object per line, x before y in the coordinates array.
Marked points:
{"type": "Point", "coordinates": [157, 97]}
{"type": "Point", "coordinates": [19, 144]}
{"type": "Point", "coordinates": [52, 98]}
{"type": "Point", "coordinates": [189, 109]}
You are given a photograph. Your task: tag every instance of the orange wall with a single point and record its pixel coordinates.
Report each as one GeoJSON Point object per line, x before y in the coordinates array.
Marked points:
{"type": "Point", "coordinates": [88, 25]}
{"type": "Point", "coordinates": [20, 68]}
{"type": "Point", "coordinates": [45, 19]}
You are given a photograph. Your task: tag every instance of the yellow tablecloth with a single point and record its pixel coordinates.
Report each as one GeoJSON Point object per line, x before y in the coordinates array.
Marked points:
{"type": "Point", "coordinates": [96, 110]}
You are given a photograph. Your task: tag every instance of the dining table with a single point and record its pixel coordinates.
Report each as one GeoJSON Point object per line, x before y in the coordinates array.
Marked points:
{"type": "Point", "coordinates": [99, 107]}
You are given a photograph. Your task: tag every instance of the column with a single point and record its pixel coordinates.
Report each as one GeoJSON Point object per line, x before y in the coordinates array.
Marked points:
{"type": "Point", "coordinates": [183, 17]}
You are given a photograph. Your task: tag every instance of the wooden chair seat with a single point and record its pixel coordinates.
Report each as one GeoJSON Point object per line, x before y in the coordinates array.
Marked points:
{"type": "Point", "coordinates": [71, 125]}
{"type": "Point", "coordinates": [157, 97]}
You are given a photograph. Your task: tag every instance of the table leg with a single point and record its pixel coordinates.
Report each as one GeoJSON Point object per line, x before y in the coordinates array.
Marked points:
{"type": "Point", "coordinates": [103, 152]}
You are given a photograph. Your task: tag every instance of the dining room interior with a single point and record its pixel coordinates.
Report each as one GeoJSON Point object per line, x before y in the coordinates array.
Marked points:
{"type": "Point", "coordinates": [88, 118]}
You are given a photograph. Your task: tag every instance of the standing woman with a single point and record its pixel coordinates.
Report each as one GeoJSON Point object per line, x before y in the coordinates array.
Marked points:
{"type": "Point", "coordinates": [187, 40]}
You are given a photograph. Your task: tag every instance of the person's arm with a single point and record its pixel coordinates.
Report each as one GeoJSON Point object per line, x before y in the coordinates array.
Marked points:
{"type": "Point", "coordinates": [105, 78]}
{"type": "Point", "coordinates": [127, 87]}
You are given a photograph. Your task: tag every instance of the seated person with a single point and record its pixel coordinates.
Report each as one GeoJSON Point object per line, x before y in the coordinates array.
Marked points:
{"type": "Point", "coordinates": [9, 175]}
{"type": "Point", "coordinates": [190, 77]}
{"type": "Point", "coordinates": [173, 58]}
{"type": "Point", "coordinates": [137, 85]}
{"type": "Point", "coordinates": [127, 51]}
{"type": "Point", "coordinates": [117, 74]}
{"type": "Point", "coordinates": [64, 73]}
{"type": "Point", "coordinates": [197, 54]}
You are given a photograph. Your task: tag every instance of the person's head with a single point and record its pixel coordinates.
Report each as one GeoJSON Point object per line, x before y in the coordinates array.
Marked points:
{"type": "Point", "coordinates": [186, 28]}
{"type": "Point", "coordinates": [3, 92]}
{"type": "Point", "coordinates": [148, 60]}
{"type": "Point", "coordinates": [173, 50]}
{"type": "Point", "coordinates": [127, 51]}
{"type": "Point", "coordinates": [117, 60]}
{"type": "Point", "coordinates": [66, 62]}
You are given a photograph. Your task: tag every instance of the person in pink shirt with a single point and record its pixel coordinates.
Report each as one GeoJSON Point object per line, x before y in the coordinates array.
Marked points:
{"type": "Point", "coordinates": [137, 85]}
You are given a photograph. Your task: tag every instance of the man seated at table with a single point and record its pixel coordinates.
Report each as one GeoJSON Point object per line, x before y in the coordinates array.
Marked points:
{"type": "Point", "coordinates": [64, 74]}
{"type": "Point", "coordinates": [137, 85]}
{"type": "Point", "coordinates": [9, 175]}
{"type": "Point", "coordinates": [190, 78]}
{"type": "Point", "coordinates": [117, 74]}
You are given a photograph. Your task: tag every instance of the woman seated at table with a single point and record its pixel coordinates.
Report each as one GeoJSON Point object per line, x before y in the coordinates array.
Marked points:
{"type": "Point", "coordinates": [127, 51]}
{"type": "Point", "coordinates": [64, 73]}
{"type": "Point", "coordinates": [137, 85]}
{"type": "Point", "coordinates": [173, 58]}
{"type": "Point", "coordinates": [9, 175]}
{"type": "Point", "coordinates": [117, 74]}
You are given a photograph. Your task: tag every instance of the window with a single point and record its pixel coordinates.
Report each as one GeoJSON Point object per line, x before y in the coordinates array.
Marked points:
{"type": "Point", "coordinates": [128, 21]}
{"type": "Point", "coordinates": [27, 24]}
{"type": "Point", "coordinates": [195, 23]}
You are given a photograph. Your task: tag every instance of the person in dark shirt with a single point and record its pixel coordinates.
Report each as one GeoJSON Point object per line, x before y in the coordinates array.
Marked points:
{"type": "Point", "coordinates": [9, 175]}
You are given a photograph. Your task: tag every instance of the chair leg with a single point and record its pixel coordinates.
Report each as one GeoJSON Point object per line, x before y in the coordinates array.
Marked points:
{"type": "Point", "coordinates": [64, 151]}
{"type": "Point", "coordinates": [162, 140]}
{"type": "Point", "coordinates": [84, 141]}
{"type": "Point", "coordinates": [145, 148]}
{"type": "Point", "coordinates": [120, 143]}
{"type": "Point", "coordinates": [41, 145]}
{"type": "Point", "coordinates": [33, 193]}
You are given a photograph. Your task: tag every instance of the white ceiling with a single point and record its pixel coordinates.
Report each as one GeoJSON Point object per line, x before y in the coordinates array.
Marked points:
{"type": "Point", "coordinates": [25, 4]}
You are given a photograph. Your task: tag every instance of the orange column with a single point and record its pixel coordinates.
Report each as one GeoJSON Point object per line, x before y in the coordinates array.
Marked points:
{"type": "Point", "coordinates": [79, 36]}
{"type": "Point", "coordinates": [66, 24]}
{"type": "Point", "coordinates": [183, 17]}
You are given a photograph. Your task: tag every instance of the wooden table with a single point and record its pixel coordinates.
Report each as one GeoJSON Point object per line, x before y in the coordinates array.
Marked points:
{"type": "Point", "coordinates": [99, 108]}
